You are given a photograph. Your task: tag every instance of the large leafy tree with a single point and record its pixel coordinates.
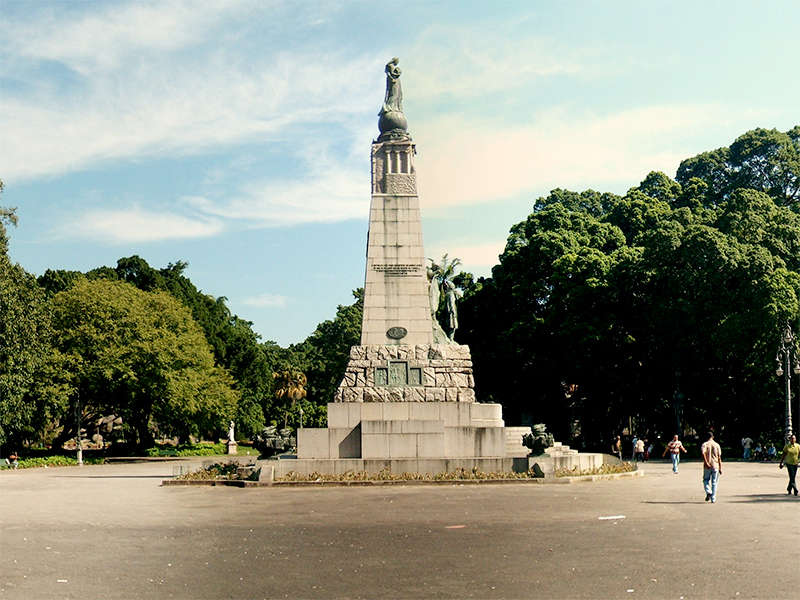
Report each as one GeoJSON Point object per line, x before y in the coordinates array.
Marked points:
{"type": "Point", "coordinates": [600, 300]}
{"type": "Point", "coordinates": [139, 355]}
{"type": "Point", "coordinates": [765, 160]}
{"type": "Point", "coordinates": [26, 407]}
{"type": "Point", "coordinates": [235, 345]}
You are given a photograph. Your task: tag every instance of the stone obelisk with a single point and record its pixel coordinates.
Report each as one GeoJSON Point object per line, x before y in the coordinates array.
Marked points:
{"type": "Point", "coordinates": [400, 358]}
{"type": "Point", "coordinates": [396, 302]}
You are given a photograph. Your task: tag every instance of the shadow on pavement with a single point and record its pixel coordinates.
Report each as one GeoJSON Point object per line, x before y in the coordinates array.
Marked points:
{"type": "Point", "coordinates": [765, 498]}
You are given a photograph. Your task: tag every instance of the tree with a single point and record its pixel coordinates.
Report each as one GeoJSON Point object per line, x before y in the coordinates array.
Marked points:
{"type": "Point", "coordinates": [24, 348]}
{"type": "Point", "coordinates": [235, 345]}
{"type": "Point", "coordinates": [290, 386]}
{"type": "Point", "coordinates": [599, 300]}
{"type": "Point", "coordinates": [323, 355]}
{"type": "Point", "coordinates": [139, 355]}
{"type": "Point", "coordinates": [764, 160]}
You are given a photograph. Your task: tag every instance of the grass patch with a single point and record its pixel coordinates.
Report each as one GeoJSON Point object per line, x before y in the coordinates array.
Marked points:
{"type": "Point", "coordinates": [387, 475]}
{"type": "Point", "coordinates": [202, 449]}
{"type": "Point", "coordinates": [57, 460]}
{"type": "Point", "coordinates": [607, 469]}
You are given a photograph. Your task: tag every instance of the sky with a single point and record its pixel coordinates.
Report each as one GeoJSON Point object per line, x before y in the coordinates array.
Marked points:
{"type": "Point", "coordinates": [235, 135]}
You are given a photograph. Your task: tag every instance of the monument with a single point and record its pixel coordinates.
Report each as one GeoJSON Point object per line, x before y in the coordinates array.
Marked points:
{"type": "Point", "coordinates": [406, 400]}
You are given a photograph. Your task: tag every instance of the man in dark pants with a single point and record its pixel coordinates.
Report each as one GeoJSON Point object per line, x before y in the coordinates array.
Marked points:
{"type": "Point", "coordinates": [790, 457]}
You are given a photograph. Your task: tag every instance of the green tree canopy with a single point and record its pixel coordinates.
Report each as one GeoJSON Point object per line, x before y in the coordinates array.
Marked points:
{"type": "Point", "coordinates": [24, 347]}
{"type": "Point", "coordinates": [140, 355]}
{"type": "Point", "coordinates": [599, 300]}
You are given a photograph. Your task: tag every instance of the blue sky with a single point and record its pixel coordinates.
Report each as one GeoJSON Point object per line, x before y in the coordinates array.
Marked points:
{"type": "Point", "coordinates": [236, 135]}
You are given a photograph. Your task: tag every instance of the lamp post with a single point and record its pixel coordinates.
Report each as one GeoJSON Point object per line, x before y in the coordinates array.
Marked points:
{"type": "Point", "coordinates": [786, 356]}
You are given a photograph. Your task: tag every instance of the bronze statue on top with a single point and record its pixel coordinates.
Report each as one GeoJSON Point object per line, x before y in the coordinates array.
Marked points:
{"type": "Point", "coordinates": [392, 122]}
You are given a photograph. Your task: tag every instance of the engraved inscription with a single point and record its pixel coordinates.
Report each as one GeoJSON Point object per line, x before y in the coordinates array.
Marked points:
{"type": "Point", "coordinates": [399, 270]}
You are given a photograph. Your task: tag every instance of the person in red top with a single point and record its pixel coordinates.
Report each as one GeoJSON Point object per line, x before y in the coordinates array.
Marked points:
{"type": "Point", "coordinates": [675, 447]}
{"type": "Point", "coordinates": [712, 466]}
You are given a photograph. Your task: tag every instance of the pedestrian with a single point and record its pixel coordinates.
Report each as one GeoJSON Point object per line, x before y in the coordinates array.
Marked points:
{"type": "Point", "coordinates": [675, 447]}
{"type": "Point", "coordinates": [639, 450]}
{"type": "Point", "coordinates": [712, 466]}
{"type": "Point", "coordinates": [790, 457]}
{"type": "Point", "coordinates": [616, 448]}
{"type": "Point", "coordinates": [746, 443]}
{"type": "Point", "coordinates": [633, 446]}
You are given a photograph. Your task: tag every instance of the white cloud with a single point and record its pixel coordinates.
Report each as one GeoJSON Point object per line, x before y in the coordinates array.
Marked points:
{"type": "Point", "coordinates": [139, 225]}
{"type": "Point", "coordinates": [560, 148]}
{"type": "Point", "coordinates": [88, 42]}
{"type": "Point", "coordinates": [266, 300]}
{"type": "Point", "coordinates": [153, 79]}
{"type": "Point", "coordinates": [472, 61]}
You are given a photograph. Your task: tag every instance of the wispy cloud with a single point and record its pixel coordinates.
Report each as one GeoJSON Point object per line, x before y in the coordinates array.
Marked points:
{"type": "Point", "coordinates": [470, 61]}
{"type": "Point", "coordinates": [152, 79]}
{"type": "Point", "coordinates": [266, 301]}
{"type": "Point", "coordinates": [561, 148]}
{"type": "Point", "coordinates": [139, 225]}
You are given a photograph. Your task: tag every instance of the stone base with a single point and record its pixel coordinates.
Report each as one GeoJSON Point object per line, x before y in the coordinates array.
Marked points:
{"type": "Point", "coordinates": [397, 373]}
{"type": "Point", "coordinates": [406, 430]}
{"type": "Point", "coordinates": [232, 448]}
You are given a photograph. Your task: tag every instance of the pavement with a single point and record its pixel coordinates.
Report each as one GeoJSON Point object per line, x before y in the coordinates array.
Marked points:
{"type": "Point", "coordinates": [112, 531]}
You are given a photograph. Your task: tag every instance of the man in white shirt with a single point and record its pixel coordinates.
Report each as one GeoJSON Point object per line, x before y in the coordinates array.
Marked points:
{"type": "Point", "coordinates": [746, 443]}
{"type": "Point", "coordinates": [712, 466]}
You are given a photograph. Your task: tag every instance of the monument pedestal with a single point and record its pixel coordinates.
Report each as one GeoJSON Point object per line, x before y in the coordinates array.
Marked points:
{"type": "Point", "coordinates": [232, 448]}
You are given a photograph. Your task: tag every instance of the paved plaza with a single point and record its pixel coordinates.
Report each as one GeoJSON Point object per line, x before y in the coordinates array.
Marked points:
{"type": "Point", "coordinates": [112, 531]}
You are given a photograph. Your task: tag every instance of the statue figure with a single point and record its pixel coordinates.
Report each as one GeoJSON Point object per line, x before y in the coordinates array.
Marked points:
{"type": "Point", "coordinates": [392, 122]}
{"type": "Point", "coordinates": [433, 289]}
{"type": "Point", "coordinates": [538, 440]}
{"type": "Point", "coordinates": [230, 433]}
{"type": "Point", "coordinates": [451, 293]}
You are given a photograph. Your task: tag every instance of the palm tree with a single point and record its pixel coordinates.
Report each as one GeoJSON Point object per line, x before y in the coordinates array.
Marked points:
{"type": "Point", "coordinates": [290, 384]}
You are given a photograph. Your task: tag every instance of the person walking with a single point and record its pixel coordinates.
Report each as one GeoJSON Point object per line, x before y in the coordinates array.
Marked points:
{"type": "Point", "coordinates": [746, 443]}
{"type": "Point", "coordinates": [675, 447]}
{"type": "Point", "coordinates": [633, 447]}
{"type": "Point", "coordinates": [616, 448]}
{"type": "Point", "coordinates": [639, 450]}
{"type": "Point", "coordinates": [790, 457]}
{"type": "Point", "coordinates": [712, 466]}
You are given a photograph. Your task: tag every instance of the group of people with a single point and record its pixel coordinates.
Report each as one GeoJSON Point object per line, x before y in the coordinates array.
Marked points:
{"type": "Point", "coordinates": [641, 449]}
{"type": "Point", "coordinates": [711, 453]}
{"type": "Point", "coordinates": [757, 452]}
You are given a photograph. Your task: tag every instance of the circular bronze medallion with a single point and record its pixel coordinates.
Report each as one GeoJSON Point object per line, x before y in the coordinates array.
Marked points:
{"type": "Point", "coordinates": [396, 333]}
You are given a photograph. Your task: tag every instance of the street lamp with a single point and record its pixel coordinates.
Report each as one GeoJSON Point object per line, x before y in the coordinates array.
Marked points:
{"type": "Point", "coordinates": [786, 356]}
